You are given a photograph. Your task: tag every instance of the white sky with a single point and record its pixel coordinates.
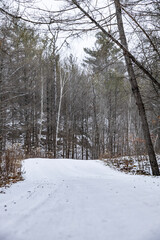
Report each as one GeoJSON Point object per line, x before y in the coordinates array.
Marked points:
{"type": "Point", "coordinates": [76, 44]}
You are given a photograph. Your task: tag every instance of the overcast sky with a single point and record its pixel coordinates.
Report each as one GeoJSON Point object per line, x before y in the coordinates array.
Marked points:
{"type": "Point", "coordinates": [76, 44]}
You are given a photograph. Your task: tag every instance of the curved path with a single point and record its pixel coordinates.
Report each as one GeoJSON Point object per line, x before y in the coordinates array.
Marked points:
{"type": "Point", "coordinates": [79, 200]}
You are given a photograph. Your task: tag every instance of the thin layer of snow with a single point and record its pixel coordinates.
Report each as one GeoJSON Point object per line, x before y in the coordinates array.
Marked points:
{"type": "Point", "coordinates": [80, 200]}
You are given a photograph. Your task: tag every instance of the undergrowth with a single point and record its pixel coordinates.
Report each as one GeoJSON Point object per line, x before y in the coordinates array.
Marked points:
{"type": "Point", "coordinates": [11, 170]}
{"type": "Point", "coordinates": [11, 166]}
{"type": "Point", "coordinates": [138, 164]}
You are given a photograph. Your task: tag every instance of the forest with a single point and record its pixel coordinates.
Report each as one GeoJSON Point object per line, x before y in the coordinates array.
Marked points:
{"type": "Point", "coordinates": [57, 107]}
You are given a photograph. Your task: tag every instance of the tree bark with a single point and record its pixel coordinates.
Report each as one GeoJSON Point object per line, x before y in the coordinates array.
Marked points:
{"type": "Point", "coordinates": [136, 92]}
{"type": "Point", "coordinates": [41, 108]}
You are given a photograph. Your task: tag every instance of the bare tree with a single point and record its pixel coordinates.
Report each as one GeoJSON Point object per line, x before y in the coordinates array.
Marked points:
{"type": "Point", "coordinates": [129, 58]}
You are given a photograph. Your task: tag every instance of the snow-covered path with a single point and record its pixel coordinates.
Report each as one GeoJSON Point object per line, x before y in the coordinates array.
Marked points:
{"type": "Point", "coordinates": [80, 200]}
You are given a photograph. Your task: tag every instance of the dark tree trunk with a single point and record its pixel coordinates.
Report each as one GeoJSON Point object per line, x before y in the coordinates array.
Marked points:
{"type": "Point", "coordinates": [136, 93]}
{"type": "Point", "coordinates": [1, 115]}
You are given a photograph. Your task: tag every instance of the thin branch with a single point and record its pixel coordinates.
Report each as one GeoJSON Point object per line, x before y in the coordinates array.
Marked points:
{"type": "Point", "coordinates": [126, 52]}
{"type": "Point", "coordinates": [153, 45]}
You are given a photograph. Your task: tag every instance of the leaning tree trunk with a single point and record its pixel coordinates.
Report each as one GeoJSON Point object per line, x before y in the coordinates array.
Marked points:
{"type": "Point", "coordinates": [136, 92]}
{"type": "Point", "coordinates": [135, 89]}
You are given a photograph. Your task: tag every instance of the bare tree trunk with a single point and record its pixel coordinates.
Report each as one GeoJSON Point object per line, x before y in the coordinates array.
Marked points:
{"type": "Point", "coordinates": [54, 97]}
{"type": "Point", "coordinates": [136, 93]}
{"type": "Point", "coordinates": [63, 80]}
{"type": "Point", "coordinates": [1, 114]}
{"type": "Point", "coordinates": [27, 141]}
{"type": "Point", "coordinates": [41, 115]}
{"type": "Point", "coordinates": [51, 106]}
{"type": "Point", "coordinates": [96, 141]}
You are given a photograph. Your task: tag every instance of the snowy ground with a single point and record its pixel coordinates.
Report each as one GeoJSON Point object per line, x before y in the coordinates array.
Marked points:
{"type": "Point", "coordinates": [80, 200]}
{"type": "Point", "coordinates": [138, 164]}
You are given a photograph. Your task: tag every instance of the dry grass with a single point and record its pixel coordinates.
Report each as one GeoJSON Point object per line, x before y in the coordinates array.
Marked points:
{"type": "Point", "coordinates": [11, 166]}
{"type": "Point", "coordinates": [134, 164]}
